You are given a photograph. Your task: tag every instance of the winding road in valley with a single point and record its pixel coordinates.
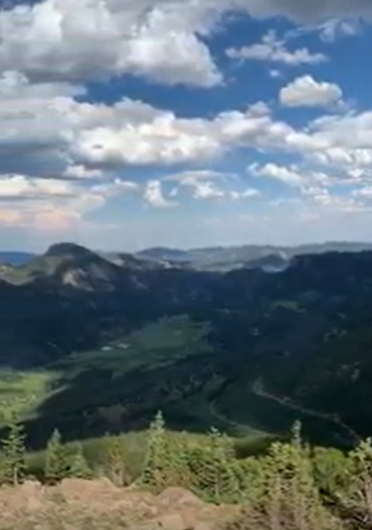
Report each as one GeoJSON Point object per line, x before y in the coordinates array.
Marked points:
{"type": "Point", "coordinates": [259, 390]}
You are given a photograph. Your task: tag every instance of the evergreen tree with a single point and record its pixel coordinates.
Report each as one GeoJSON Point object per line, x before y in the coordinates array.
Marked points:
{"type": "Point", "coordinates": [115, 464]}
{"type": "Point", "coordinates": [290, 497]}
{"type": "Point", "coordinates": [332, 472]}
{"type": "Point", "coordinates": [178, 461]}
{"type": "Point", "coordinates": [218, 480]}
{"type": "Point", "coordinates": [13, 453]}
{"type": "Point", "coordinates": [355, 501]}
{"type": "Point", "coordinates": [56, 464]}
{"type": "Point", "coordinates": [156, 470]}
{"type": "Point", "coordinates": [79, 467]}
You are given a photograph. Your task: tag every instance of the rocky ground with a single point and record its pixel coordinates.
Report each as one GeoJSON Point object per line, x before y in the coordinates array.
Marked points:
{"type": "Point", "coordinates": [99, 505]}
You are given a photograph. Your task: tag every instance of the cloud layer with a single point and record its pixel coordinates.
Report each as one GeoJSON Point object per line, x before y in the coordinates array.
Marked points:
{"type": "Point", "coordinates": [71, 153]}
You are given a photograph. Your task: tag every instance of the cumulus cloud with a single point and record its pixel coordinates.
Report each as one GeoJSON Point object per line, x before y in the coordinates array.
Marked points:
{"type": "Point", "coordinates": [335, 29]}
{"type": "Point", "coordinates": [208, 184]}
{"type": "Point", "coordinates": [69, 133]}
{"type": "Point", "coordinates": [335, 203]}
{"type": "Point", "coordinates": [81, 172]}
{"type": "Point", "coordinates": [62, 153]}
{"type": "Point", "coordinates": [291, 175]}
{"type": "Point", "coordinates": [274, 50]}
{"type": "Point", "coordinates": [76, 40]}
{"type": "Point", "coordinates": [53, 203]}
{"type": "Point", "coordinates": [154, 196]}
{"type": "Point", "coordinates": [307, 92]}
{"type": "Point", "coordinates": [96, 39]}
{"type": "Point", "coordinates": [248, 193]}
{"type": "Point", "coordinates": [308, 12]}
{"type": "Point", "coordinates": [207, 190]}
{"type": "Point", "coordinates": [21, 187]}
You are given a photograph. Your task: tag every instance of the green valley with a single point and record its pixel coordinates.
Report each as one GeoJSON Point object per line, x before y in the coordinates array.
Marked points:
{"type": "Point", "coordinates": [94, 345]}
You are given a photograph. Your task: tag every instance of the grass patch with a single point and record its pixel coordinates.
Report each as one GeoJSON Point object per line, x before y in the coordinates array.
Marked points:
{"type": "Point", "coordinates": [290, 305]}
{"type": "Point", "coordinates": [21, 392]}
{"type": "Point", "coordinates": [156, 345]}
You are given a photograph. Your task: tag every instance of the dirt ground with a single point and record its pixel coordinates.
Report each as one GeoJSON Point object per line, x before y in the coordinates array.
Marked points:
{"type": "Point", "coordinates": [99, 505]}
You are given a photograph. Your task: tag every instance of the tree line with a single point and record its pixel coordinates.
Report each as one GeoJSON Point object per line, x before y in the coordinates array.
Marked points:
{"type": "Point", "coordinates": [292, 486]}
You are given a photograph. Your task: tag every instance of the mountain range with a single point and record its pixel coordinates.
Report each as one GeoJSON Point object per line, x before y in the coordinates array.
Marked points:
{"type": "Point", "coordinates": [94, 343]}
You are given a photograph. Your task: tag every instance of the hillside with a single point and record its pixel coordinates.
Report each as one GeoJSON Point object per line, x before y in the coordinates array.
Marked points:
{"type": "Point", "coordinates": [94, 345]}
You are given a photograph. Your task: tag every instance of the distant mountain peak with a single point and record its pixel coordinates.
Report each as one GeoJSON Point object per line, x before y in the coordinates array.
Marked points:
{"type": "Point", "coordinates": [65, 249]}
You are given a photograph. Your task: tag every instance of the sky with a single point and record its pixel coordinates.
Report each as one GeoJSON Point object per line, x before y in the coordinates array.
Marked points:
{"type": "Point", "coordinates": [127, 124]}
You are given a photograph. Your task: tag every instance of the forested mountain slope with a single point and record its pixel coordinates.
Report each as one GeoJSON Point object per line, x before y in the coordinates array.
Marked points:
{"type": "Point", "coordinates": [106, 342]}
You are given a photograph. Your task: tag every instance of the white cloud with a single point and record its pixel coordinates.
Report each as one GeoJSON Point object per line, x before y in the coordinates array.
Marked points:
{"type": "Point", "coordinates": [335, 29]}
{"type": "Point", "coordinates": [190, 177]}
{"type": "Point", "coordinates": [308, 12]}
{"type": "Point", "coordinates": [81, 172]}
{"type": "Point", "coordinates": [206, 190]}
{"type": "Point", "coordinates": [330, 29]}
{"type": "Point", "coordinates": [21, 187]}
{"type": "Point", "coordinates": [335, 203]}
{"type": "Point", "coordinates": [49, 134]}
{"type": "Point", "coordinates": [53, 204]}
{"type": "Point", "coordinates": [364, 193]}
{"type": "Point", "coordinates": [153, 195]}
{"type": "Point", "coordinates": [291, 175]}
{"type": "Point", "coordinates": [92, 39]}
{"type": "Point", "coordinates": [202, 185]}
{"type": "Point", "coordinates": [60, 155]}
{"type": "Point", "coordinates": [16, 86]}
{"type": "Point", "coordinates": [76, 40]}
{"type": "Point", "coordinates": [115, 187]}
{"type": "Point", "coordinates": [307, 92]}
{"type": "Point", "coordinates": [345, 145]}
{"type": "Point", "coordinates": [198, 183]}
{"type": "Point", "coordinates": [248, 193]}
{"type": "Point", "coordinates": [272, 49]}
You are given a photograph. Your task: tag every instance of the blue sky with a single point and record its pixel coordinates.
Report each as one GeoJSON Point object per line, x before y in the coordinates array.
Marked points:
{"type": "Point", "coordinates": [134, 123]}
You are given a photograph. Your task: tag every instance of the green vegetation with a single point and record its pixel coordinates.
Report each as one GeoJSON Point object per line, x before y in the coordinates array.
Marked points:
{"type": "Point", "coordinates": [13, 453]}
{"type": "Point", "coordinates": [79, 467]}
{"type": "Point", "coordinates": [39, 266]}
{"type": "Point", "coordinates": [56, 461]}
{"type": "Point", "coordinates": [291, 305]}
{"type": "Point", "coordinates": [154, 346]}
{"type": "Point", "coordinates": [22, 391]}
{"type": "Point", "coordinates": [90, 345]}
{"type": "Point", "coordinates": [168, 364]}
{"type": "Point", "coordinates": [291, 486]}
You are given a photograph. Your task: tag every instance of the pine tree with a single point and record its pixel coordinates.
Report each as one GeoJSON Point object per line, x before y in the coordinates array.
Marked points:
{"type": "Point", "coordinates": [218, 479]}
{"type": "Point", "coordinates": [56, 465]}
{"type": "Point", "coordinates": [79, 467]}
{"type": "Point", "coordinates": [13, 453]}
{"type": "Point", "coordinates": [290, 498]}
{"type": "Point", "coordinates": [333, 472]}
{"type": "Point", "coordinates": [156, 470]}
{"type": "Point", "coordinates": [115, 465]}
{"type": "Point", "coordinates": [179, 455]}
{"type": "Point", "coordinates": [356, 500]}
